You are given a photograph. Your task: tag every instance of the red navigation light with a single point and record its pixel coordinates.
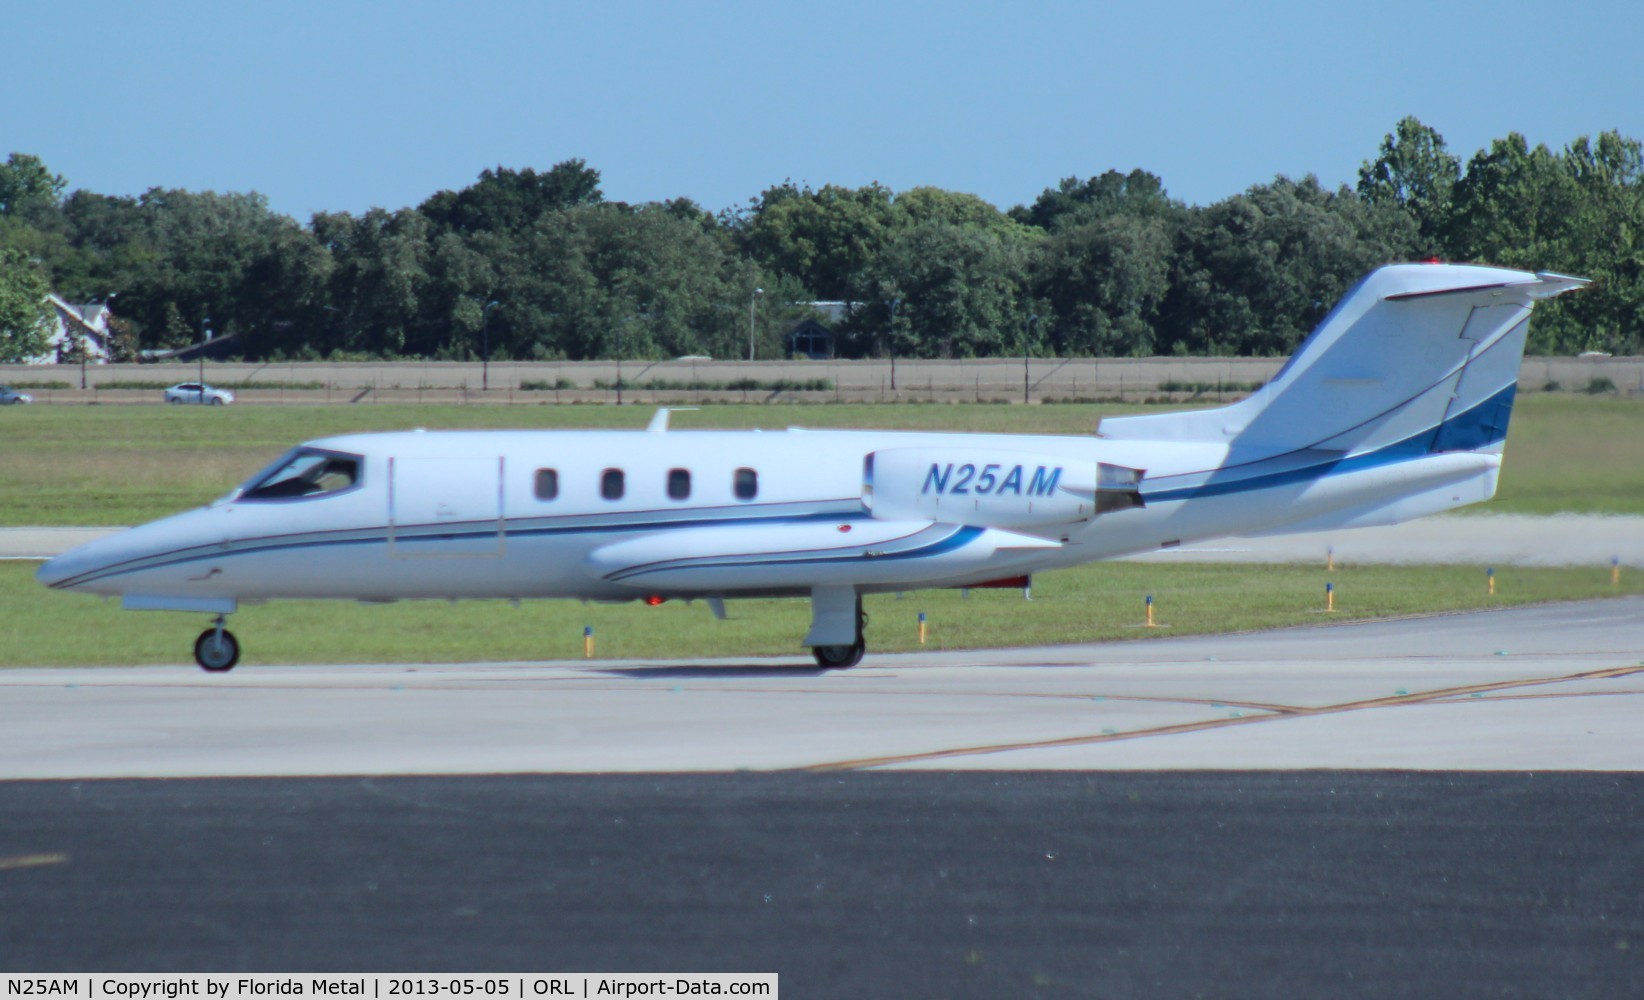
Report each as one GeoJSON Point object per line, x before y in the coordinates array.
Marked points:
{"type": "Point", "coordinates": [655, 599]}
{"type": "Point", "coordinates": [1003, 583]}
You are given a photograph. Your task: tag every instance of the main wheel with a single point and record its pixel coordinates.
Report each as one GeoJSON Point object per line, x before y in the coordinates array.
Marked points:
{"type": "Point", "coordinates": [838, 657]}
{"type": "Point", "coordinates": [216, 654]}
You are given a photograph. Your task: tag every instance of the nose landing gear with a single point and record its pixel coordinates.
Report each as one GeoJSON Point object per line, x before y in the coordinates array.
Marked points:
{"type": "Point", "coordinates": [216, 650]}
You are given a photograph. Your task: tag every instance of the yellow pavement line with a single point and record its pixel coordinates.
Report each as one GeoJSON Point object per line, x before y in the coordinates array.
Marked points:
{"type": "Point", "coordinates": [31, 861]}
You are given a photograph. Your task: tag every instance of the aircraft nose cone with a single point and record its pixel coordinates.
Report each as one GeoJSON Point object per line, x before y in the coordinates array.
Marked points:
{"type": "Point", "coordinates": [108, 565]}
{"type": "Point", "coordinates": [78, 566]}
{"type": "Point", "coordinates": [52, 571]}
{"type": "Point", "coordinates": [64, 568]}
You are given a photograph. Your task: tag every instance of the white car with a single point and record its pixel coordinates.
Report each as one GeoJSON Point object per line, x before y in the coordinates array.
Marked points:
{"type": "Point", "coordinates": [10, 396]}
{"type": "Point", "coordinates": [198, 392]}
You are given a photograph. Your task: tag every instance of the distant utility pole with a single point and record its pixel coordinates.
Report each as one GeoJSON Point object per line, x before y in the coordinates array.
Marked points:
{"type": "Point", "coordinates": [485, 345]}
{"type": "Point", "coordinates": [622, 348]}
{"type": "Point", "coordinates": [892, 340]}
{"type": "Point", "coordinates": [1027, 342]}
{"type": "Point", "coordinates": [757, 292]}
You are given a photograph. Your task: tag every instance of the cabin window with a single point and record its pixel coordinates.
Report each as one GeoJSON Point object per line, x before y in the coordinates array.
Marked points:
{"type": "Point", "coordinates": [746, 484]}
{"type": "Point", "coordinates": [611, 484]}
{"type": "Point", "coordinates": [305, 472]}
{"type": "Point", "coordinates": [679, 484]}
{"type": "Point", "coordinates": [547, 484]}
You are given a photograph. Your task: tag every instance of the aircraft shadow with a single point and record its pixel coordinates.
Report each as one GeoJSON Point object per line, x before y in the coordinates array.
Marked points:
{"type": "Point", "coordinates": [721, 670]}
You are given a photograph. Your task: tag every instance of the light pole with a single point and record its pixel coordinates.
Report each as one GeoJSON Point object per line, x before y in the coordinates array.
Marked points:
{"type": "Point", "coordinates": [1027, 331]}
{"type": "Point", "coordinates": [757, 292]}
{"type": "Point", "coordinates": [205, 338]}
{"type": "Point", "coordinates": [892, 340]}
{"type": "Point", "coordinates": [485, 345]}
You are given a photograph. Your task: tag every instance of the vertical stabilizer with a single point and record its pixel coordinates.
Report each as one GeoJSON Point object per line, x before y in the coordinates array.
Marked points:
{"type": "Point", "coordinates": [1422, 357]}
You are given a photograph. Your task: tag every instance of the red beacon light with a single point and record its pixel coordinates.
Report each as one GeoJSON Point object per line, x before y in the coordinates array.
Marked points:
{"type": "Point", "coordinates": [654, 599]}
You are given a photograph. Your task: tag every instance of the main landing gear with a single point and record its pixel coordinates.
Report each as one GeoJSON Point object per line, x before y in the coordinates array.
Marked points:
{"type": "Point", "coordinates": [216, 650]}
{"type": "Point", "coordinates": [837, 657]}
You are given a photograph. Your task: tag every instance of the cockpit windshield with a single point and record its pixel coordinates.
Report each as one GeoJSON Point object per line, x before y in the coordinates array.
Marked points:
{"type": "Point", "coordinates": [305, 472]}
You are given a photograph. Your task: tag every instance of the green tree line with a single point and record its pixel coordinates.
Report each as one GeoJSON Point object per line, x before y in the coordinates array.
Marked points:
{"type": "Point", "coordinates": [529, 265]}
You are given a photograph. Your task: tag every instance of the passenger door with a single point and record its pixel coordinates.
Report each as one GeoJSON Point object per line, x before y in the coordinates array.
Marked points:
{"type": "Point", "coordinates": [445, 508]}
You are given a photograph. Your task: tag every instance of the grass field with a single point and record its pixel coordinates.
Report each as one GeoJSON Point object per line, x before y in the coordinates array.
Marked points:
{"type": "Point", "coordinates": [108, 465]}
{"type": "Point", "coordinates": [1101, 601]}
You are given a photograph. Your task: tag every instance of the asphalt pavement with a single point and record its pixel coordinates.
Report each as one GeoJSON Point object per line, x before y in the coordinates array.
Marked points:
{"type": "Point", "coordinates": [1235, 884]}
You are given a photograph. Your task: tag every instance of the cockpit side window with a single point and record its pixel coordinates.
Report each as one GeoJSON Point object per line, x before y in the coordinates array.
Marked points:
{"type": "Point", "coordinates": [305, 473]}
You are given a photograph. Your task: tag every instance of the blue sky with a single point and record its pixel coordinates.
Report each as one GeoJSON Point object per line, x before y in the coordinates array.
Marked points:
{"type": "Point", "coordinates": [341, 106]}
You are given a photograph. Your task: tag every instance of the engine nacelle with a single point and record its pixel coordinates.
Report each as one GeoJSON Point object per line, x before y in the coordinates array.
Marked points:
{"type": "Point", "coordinates": [994, 489]}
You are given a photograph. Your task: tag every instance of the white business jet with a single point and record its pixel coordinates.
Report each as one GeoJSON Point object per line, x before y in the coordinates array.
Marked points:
{"type": "Point", "coordinates": [1395, 407]}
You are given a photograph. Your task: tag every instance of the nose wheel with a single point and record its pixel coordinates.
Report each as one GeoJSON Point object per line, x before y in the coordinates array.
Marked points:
{"type": "Point", "coordinates": [216, 650]}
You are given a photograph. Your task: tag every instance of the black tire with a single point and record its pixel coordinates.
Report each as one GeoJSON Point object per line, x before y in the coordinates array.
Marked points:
{"type": "Point", "coordinates": [216, 400]}
{"type": "Point", "coordinates": [840, 657]}
{"type": "Point", "coordinates": [214, 657]}
{"type": "Point", "coordinates": [173, 400]}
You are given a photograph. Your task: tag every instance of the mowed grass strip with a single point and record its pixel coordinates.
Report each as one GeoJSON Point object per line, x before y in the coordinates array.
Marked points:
{"type": "Point", "coordinates": [1103, 601]}
{"type": "Point", "coordinates": [1574, 454]}
{"type": "Point", "coordinates": [109, 465]}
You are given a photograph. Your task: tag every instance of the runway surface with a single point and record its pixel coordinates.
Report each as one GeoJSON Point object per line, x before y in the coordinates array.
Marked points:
{"type": "Point", "coordinates": [1556, 687]}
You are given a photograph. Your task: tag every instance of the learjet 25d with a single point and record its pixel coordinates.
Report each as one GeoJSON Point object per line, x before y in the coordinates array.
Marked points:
{"type": "Point", "coordinates": [1396, 406]}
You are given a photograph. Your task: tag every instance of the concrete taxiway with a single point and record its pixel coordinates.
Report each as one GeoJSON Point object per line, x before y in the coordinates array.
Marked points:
{"type": "Point", "coordinates": [1557, 687]}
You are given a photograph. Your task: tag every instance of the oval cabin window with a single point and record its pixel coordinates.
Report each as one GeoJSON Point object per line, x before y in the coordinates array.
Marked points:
{"type": "Point", "coordinates": [679, 484]}
{"type": "Point", "coordinates": [547, 484]}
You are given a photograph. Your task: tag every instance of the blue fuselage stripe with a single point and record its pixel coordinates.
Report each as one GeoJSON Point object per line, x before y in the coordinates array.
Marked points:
{"type": "Point", "coordinates": [406, 535]}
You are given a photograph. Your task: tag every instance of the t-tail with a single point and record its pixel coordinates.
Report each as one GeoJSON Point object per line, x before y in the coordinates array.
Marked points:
{"type": "Point", "coordinates": [1414, 370]}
